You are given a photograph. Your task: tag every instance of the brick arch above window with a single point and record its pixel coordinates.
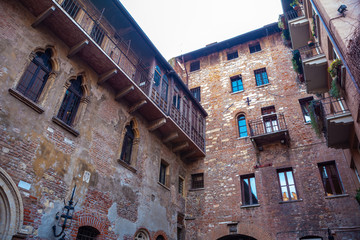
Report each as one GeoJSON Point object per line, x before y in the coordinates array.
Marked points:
{"type": "Point", "coordinates": [160, 235]}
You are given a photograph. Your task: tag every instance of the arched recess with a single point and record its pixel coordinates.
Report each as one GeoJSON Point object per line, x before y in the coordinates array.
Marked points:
{"type": "Point", "coordinates": [243, 229]}
{"type": "Point", "coordinates": [11, 208]}
{"type": "Point", "coordinates": [236, 237]}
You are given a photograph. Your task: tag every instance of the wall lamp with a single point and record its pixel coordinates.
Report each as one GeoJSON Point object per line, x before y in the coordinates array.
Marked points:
{"type": "Point", "coordinates": [342, 9]}
{"type": "Point", "coordinates": [65, 218]}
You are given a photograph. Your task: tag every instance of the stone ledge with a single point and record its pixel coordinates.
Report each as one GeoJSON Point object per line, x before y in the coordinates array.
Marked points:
{"type": "Point", "coordinates": [291, 201]}
{"type": "Point", "coordinates": [196, 189]}
{"type": "Point", "coordinates": [250, 206]}
{"type": "Point", "coordinates": [26, 100]}
{"type": "Point", "coordinates": [337, 196]}
{"type": "Point", "coordinates": [264, 85]}
{"type": "Point", "coordinates": [164, 186]}
{"type": "Point", "coordinates": [65, 126]}
{"type": "Point", "coordinates": [127, 166]}
{"type": "Point", "coordinates": [232, 93]}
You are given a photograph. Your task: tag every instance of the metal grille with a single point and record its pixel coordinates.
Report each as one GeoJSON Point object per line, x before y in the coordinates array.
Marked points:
{"type": "Point", "coordinates": [267, 124]}
{"type": "Point", "coordinates": [194, 66]}
{"type": "Point", "coordinates": [254, 48]}
{"type": "Point", "coordinates": [87, 233]}
{"type": "Point", "coordinates": [196, 93]}
{"type": "Point", "coordinates": [307, 51]}
{"type": "Point", "coordinates": [71, 7]}
{"type": "Point", "coordinates": [232, 55]}
{"type": "Point", "coordinates": [197, 181]}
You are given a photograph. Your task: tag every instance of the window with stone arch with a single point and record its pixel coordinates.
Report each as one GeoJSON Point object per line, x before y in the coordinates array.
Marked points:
{"type": "Point", "coordinates": [71, 101]}
{"type": "Point", "coordinates": [241, 123]}
{"type": "Point", "coordinates": [87, 233]}
{"type": "Point", "coordinates": [130, 143]}
{"type": "Point", "coordinates": [36, 75]}
{"type": "Point", "coordinates": [142, 235]}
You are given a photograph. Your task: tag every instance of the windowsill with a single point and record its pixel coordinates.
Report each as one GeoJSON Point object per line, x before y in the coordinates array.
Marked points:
{"type": "Point", "coordinates": [127, 166]}
{"type": "Point", "coordinates": [198, 70]}
{"type": "Point", "coordinates": [256, 51]}
{"type": "Point", "coordinates": [167, 188]}
{"type": "Point", "coordinates": [291, 201]}
{"type": "Point", "coordinates": [237, 92]}
{"type": "Point", "coordinates": [65, 126]}
{"type": "Point", "coordinates": [337, 196]}
{"type": "Point", "coordinates": [250, 206]}
{"type": "Point", "coordinates": [196, 189]}
{"type": "Point", "coordinates": [307, 123]}
{"type": "Point", "coordinates": [242, 137]}
{"type": "Point", "coordinates": [232, 59]}
{"type": "Point", "coordinates": [264, 85]}
{"type": "Point", "coordinates": [27, 101]}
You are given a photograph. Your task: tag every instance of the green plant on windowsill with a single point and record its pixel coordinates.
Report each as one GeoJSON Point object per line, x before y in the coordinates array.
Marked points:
{"type": "Point", "coordinates": [294, 4]}
{"type": "Point", "coordinates": [281, 23]}
{"type": "Point", "coordinates": [296, 62]}
{"type": "Point", "coordinates": [333, 70]}
{"type": "Point", "coordinates": [314, 122]}
{"type": "Point", "coordinates": [357, 196]}
{"type": "Point", "coordinates": [285, 34]}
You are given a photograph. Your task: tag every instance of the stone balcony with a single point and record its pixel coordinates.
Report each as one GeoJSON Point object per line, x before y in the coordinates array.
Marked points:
{"type": "Point", "coordinates": [268, 129]}
{"type": "Point", "coordinates": [315, 67]}
{"type": "Point", "coordinates": [84, 31]}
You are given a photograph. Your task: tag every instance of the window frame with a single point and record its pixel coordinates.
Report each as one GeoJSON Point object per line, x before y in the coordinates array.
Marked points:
{"type": "Point", "coordinates": [261, 81]}
{"type": "Point", "coordinates": [305, 102]}
{"type": "Point", "coordinates": [232, 55]}
{"type": "Point", "coordinates": [238, 125]}
{"type": "Point", "coordinates": [194, 66]}
{"type": "Point", "coordinates": [244, 202]}
{"type": "Point", "coordinates": [254, 47]}
{"type": "Point", "coordinates": [198, 184]}
{"type": "Point", "coordinates": [290, 197]}
{"type": "Point", "coordinates": [127, 149]}
{"type": "Point", "coordinates": [237, 78]}
{"type": "Point", "coordinates": [181, 186]}
{"type": "Point", "coordinates": [337, 175]}
{"type": "Point", "coordinates": [164, 176]}
{"type": "Point", "coordinates": [196, 92]}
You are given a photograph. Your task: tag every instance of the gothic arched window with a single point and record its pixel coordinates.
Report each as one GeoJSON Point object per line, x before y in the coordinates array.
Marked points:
{"type": "Point", "coordinates": [128, 143]}
{"type": "Point", "coordinates": [35, 76]}
{"type": "Point", "coordinates": [71, 101]}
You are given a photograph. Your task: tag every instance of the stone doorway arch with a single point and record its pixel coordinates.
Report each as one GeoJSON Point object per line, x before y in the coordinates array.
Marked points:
{"type": "Point", "coordinates": [236, 237]}
{"type": "Point", "coordinates": [11, 208]}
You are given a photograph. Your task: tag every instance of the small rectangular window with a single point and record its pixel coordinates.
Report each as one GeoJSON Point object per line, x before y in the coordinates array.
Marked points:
{"type": "Point", "coordinates": [181, 186]}
{"type": "Point", "coordinates": [164, 173]}
{"type": "Point", "coordinates": [197, 180]}
{"type": "Point", "coordinates": [248, 190]}
{"type": "Point", "coordinates": [194, 66]}
{"type": "Point", "coordinates": [287, 185]}
{"type": "Point", "coordinates": [232, 55]}
{"type": "Point", "coordinates": [261, 77]}
{"type": "Point", "coordinates": [196, 93]}
{"type": "Point", "coordinates": [255, 47]}
{"type": "Point", "coordinates": [304, 104]}
{"type": "Point", "coordinates": [330, 178]}
{"type": "Point", "coordinates": [236, 84]}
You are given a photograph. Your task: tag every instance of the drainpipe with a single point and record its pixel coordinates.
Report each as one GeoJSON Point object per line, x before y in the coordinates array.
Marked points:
{"type": "Point", "coordinates": [336, 46]}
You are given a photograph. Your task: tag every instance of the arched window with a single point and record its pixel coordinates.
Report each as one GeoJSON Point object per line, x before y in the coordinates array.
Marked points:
{"type": "Point", "coordinates": [128, 143]}
{"type": "Point", "coordinates": [160, 237]}
{"type": "Point", "coordinates": [164, 88]}
{"type": "Point", "coordinates": [35, 76]}
{"type": "Point", "coordinates": [242, 126]}
{"type": "Point", "coordinates": [142, 235]}
{"type": "Point", "coordinates": [71, 101]}
{"type": "Point", "coordinates": [157, 76]}
{"type": "Point", "coordinates": [87, 233]}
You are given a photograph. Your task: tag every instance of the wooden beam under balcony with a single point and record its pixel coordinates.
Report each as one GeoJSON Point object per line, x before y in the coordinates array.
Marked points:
{"type": "Point", "coordinates": [180, 147]}
{"type": "Point", "coordinates": [170, 137]}
{"type": "Point", "coordinates": [106, 76]}
{"type": "Point", "coordinates": [43, 16]}
{"type": "Point", "coordinates": [75, 49]}
{"type": "Point", "coordinates": [123, 92]}
{"type": "Point", "coordinates": [188, 154]}
{"type": "Point", "coordinates": [137, 105]}
{"type": "Point", "coordinates": [156, 124]}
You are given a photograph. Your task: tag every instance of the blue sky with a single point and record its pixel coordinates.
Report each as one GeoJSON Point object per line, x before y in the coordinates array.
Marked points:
{"type": "Point", "coordinates": [177, 27]}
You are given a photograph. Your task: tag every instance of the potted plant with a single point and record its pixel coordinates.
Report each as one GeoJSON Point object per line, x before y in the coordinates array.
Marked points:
{"type": "Point", "coordinates": [295, 5]}
{"type": "Point", "coordinates": [311, 42]}
{"type": "Point", "coordinates": [297, 63]}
